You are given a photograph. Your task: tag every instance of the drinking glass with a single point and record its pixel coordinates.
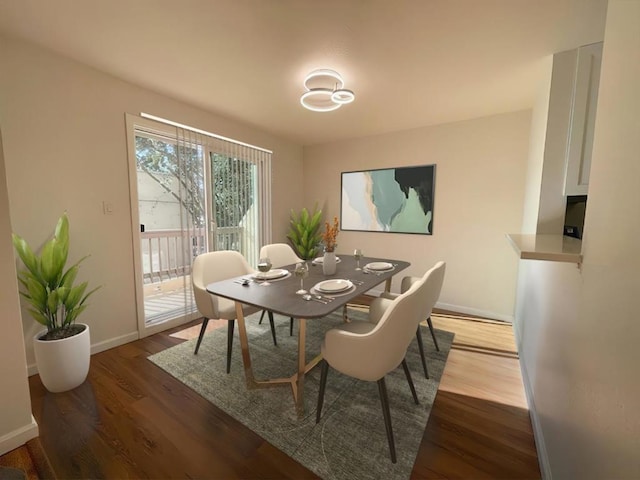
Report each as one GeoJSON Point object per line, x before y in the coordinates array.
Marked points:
{"type": "Point", "coordinates": [357, 253]}
{"type": "Point", "coordinates": [264, 265]}
{"type": "Point", "coordinates": [301, 271]}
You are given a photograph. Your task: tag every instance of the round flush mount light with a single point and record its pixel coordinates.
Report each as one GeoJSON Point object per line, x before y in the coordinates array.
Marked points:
{"type": "Point", "coordinates": [325, 91]}
{"type": "Point", "coordinates": [343, 96]}
{"type": "Point", "coordinates": [319, 100]}
{"type": "Point", "coordinates": [323, 77]}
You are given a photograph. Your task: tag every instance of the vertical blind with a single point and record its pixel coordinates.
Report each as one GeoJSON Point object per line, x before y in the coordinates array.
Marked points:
{"type": "Point", "coordinates": [244, 176]}
{"type": "Point", "coordinates": [239, 195]}
{"type": "Point", "coordinates": [233, 186]}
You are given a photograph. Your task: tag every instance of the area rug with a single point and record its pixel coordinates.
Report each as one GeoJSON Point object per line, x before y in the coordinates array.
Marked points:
{"type": "Point", "coordinates": [350, 441]}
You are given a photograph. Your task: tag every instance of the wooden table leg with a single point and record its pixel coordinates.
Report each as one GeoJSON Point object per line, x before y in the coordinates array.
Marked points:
{"type": "Point", "coordinates": [244, 346]}
{"type": "Point", "coordinates": [298, 390]}
{"type": "Point", "coordinates": [296, 381]}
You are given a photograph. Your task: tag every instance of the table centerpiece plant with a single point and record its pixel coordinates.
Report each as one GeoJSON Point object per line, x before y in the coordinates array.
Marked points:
{"type": "Point", "coordinates": [62, 350]}
{"type": "Point", "coordinates": [304, 232]}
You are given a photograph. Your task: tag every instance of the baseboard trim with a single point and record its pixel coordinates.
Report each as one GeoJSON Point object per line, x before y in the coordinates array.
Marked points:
{"type": "Point", "coordinates": [32, 368]}
{"type": "Point", "coordinates": [543, 458]}
{"type": "Point", "coordinates": [18, 437]}
{"type": "Point", "coordinates": [114, 342]}
{"type": "Point", "coordinates": [461, 309]}
{"type": "Point", "coordinates": [475, 311]}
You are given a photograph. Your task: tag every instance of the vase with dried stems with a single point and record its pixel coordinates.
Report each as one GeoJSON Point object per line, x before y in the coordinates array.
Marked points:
{"type": "Point", "coordinates": [329, 238]}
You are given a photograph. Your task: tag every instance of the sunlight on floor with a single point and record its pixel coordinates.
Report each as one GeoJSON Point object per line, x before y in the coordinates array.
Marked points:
{"type": "Point", "coordinates": [193, 332]}
{"type": "Point", "coordinates": [483, 362]}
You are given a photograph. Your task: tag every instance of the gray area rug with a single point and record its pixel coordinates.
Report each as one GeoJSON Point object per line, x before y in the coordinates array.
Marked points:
{"type": "Point", "coordinates": [350, 441]}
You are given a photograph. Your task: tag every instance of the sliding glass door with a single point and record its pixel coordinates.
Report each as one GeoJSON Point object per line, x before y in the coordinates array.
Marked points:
{"type": "Point", "coordinates": [172, 213]}
{"type": "Point", "coordinates": [193, 194]}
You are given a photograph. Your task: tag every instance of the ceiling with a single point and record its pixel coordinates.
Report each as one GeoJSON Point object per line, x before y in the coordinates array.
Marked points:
{"type": "Point", "coordinates": [411, 63]}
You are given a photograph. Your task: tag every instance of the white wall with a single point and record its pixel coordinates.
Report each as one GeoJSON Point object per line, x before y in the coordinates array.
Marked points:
{"type": "Point", "coordinates": [65, 149]}
{"type": "Point", "coordinates": [579, 328]}
{"type": "Point", "coordinates": [537, 140]}
{"type": "Point", "coordinates": [16, 423]}
{"type": "Point", "coordinates": [552, 202]}
{"type": "Point", "coordinates": [479, 195]}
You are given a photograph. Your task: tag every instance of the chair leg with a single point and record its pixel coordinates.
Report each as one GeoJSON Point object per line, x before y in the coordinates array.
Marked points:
{"type": "Point", "coordinates": [230, 343]}
{"type": "Point", "coordinates": [421, 348]}
{"type": "Point", "coordinates": [261, 316]}
{"type": "Point", "coordinates": [410, 380]}
{"type": "Point", "coordinates": [382, 389]}
{"type": "Point", "coordinates": [291, 327]}
{"type": "Point", "coordinates": [433, 333]}
{"type": "Point", "coordinates": [201, 336]}
{"type": "Point", "coordinates": [323, 383]}
{"type": "Point", "coordinates": [273, 328]}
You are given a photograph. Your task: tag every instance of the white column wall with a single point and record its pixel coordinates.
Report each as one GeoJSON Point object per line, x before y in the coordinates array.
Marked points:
{"type": "Point", "coordinates": [579, 328]}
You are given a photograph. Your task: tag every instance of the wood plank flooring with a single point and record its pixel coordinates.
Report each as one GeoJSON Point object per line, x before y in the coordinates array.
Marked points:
{"type": "Point", "coordinates": [132, 420]}
{"type": "Point", "coordinates": [31, 459]}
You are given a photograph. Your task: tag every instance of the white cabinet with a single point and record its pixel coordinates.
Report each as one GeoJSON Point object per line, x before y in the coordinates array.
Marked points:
{"type": "Point", "coordinates": [583, 115]}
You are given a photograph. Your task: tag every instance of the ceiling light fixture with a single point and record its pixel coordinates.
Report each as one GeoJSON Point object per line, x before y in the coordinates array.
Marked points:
{"type": "Point", "coordinates": [325, 91]}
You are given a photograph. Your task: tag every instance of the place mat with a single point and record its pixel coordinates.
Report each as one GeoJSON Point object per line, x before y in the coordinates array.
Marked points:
{"type": "Point", "coordinates": [378, 272]}
{"type": "Point", "coordinates": [320, 260]}
{"type": "Point", "coordinates": [338, 294]}
{"type": "Point", "coordinates": [270, 280]}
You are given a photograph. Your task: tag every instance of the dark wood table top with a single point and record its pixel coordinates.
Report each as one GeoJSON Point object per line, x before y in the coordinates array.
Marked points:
{"type": "Point", "coordinates": [280, 296]}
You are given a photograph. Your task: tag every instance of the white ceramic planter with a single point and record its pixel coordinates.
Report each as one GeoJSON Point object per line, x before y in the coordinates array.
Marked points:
{"type": "Point", "coordinates": [63, 364]}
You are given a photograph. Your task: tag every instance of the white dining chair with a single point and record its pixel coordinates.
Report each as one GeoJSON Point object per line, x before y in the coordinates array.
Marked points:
{"type": "Point", "coordinates": [280, 254]}
{"type": "Point", "coordinates": [368, 350]}
{"type": "Point", "coordinates": [406, 283]}
{"type": "Point", "coordinates": [213, 267]}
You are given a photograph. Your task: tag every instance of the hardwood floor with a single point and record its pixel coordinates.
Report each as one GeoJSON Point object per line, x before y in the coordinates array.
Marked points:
{"type": "Point", "coordinates": [132, 420]}
{"type": "Point", "coordinates": [30, 459]}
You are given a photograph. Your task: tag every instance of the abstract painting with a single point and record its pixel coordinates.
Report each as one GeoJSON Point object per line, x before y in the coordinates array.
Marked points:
{"type": "Point", "coordinates": [396, 200]}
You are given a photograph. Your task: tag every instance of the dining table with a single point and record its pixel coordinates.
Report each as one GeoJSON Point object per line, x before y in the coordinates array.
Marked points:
{"type": "Point", "coordinates": [279, 296]}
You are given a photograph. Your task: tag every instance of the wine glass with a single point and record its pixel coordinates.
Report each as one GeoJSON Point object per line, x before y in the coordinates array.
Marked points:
{"type": "Point", "coordinates": [301, 271]}
{"type": "Point", "coordinates": [357, 253]}
{"type": "Point", "coordinates": [264, 265]}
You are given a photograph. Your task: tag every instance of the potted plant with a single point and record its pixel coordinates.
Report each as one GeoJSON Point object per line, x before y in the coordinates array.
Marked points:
{"type": "Point", "coordinates": [304, 233]}
{"type": "Point", "coordinates": [62, 351]}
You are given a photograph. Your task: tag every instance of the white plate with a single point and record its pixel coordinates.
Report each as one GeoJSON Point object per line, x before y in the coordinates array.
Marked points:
{"type": "Point", "coordinates": [271, 274]}
{"type": "Point", "coordinates": [378, 266]}
{"type": "Point", "coordinates": [333, 286]}
{"type": "Point", "coordinates": [320, 260]}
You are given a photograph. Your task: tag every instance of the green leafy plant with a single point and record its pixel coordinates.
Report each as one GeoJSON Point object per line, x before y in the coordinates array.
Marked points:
{"type": "Point", "coordinates": [304, 232]}
{"type": "Point", "coordinates": [54, 300]}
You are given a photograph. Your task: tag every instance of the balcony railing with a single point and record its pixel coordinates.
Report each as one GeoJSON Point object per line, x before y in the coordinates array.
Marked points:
{"type": "Point", "coordinates": [168, 254]}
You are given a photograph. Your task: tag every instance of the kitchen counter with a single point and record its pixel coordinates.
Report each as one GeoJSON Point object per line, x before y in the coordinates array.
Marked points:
{"type": "Point", "coordinates": [553, 248]}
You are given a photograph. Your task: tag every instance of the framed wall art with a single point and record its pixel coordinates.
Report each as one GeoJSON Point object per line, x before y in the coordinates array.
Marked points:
{"type": "Point", "coordinates": [394, 200]}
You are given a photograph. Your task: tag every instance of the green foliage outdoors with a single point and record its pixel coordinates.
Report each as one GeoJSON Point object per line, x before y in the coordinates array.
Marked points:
{"type": "Point", "coordinates": [304, 233]}
{"type": "Point", "coordinates": [54, 300]}
{"type": "Point", "coordinates": [234, 189]}
{"type": "Point", "coordinates": [179, 170]}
